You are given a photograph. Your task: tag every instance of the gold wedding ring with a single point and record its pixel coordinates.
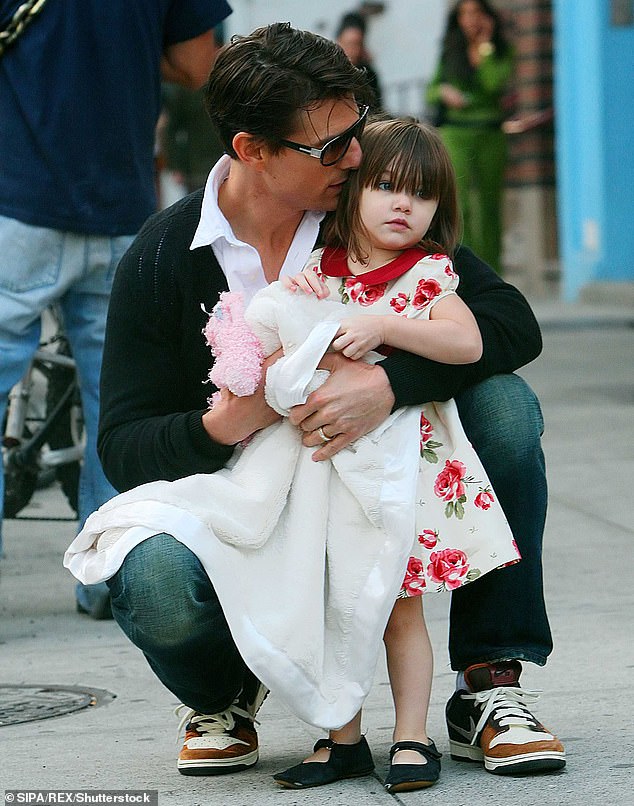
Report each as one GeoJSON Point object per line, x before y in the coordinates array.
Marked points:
{"type": "Point", "coordinates": [324, 438]}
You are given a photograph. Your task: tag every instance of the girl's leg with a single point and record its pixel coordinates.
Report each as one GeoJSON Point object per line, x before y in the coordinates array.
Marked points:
{"type": "Point", "coordinates": [410, 667]}
{"type": "Point", "coordinates": [348, 734]}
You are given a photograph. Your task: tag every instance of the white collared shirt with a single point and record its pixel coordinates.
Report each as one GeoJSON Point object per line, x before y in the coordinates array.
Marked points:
{"type": "Point", "coordinates": [240, 261]}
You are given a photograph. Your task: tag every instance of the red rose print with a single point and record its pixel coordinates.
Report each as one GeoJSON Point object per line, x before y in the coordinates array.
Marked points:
{"type": "Point", "coordinates": [414, 581]}
{"type": "Point", "coordinates": [449, 485]}
{"type": "Point", "coordinates": [426, 291]}
{"type": "Point", "coordinates": [399, 302]}
{"type": "Point", "coordinates": [449, 567]}
{"type": "Point", "coordinates": [484, 499]}
{"type": "Point", "coordinates": [372, 293]}
{"type": "Point", "coordinates": [428, 539]}
{"type": "Point", "coordinates": [354, 288]}
{"type": "Point", "coordinates": [449, 271]}
{"type": "Point", "coordinates": [364, 294]}
{"type": "Point", "coordinates": [439, 256]}
{"type": "Point", "coordinates": [426, 428]}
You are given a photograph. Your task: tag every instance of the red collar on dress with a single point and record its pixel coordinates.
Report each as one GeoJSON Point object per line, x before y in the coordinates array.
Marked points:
{"type": "Point", "coordinates": [334, 263]}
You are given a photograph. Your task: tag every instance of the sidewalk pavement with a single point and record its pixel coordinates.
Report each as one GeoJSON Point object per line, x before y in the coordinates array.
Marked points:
{"type": "Point", "coordinates": [585, 380]}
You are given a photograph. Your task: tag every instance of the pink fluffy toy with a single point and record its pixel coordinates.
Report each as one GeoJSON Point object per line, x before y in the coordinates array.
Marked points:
{"type": "Point", "coordinates": [238, 353]}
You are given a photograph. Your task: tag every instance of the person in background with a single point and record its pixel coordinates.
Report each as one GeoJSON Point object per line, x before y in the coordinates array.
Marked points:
{"type": "Point", "coordinates": [470, 83]}
{"type": "Point", "coordinates": [350, 37]}
{"type": "Point", "coordinates": [188, 143]}
{"type": "Point", "coordinates": [79, 102]}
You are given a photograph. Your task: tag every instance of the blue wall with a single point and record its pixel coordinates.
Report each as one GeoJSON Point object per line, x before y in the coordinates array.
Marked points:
{"type": "Point", "coordinates": [594, 107]}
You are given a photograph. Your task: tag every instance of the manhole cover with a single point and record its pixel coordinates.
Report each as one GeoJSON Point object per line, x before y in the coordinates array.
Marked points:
{"type": "Point", "coordinates": [31, 703]}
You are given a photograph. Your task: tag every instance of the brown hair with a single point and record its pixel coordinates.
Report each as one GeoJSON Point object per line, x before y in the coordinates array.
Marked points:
{"type": "Point", "coordinates": [260, 82]}
{"type": "Point", "coordinates": [417, 160]}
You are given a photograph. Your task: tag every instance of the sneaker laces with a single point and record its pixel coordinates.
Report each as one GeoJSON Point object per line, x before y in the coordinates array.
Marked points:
{"type": "Point", "coordinates": [510, 704]}
{"type": "Point", "coordinates": [211, 724]}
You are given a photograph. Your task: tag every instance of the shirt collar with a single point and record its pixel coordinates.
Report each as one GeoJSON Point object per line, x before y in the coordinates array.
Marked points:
{"type": "Point", "coordinates": [212, 224]}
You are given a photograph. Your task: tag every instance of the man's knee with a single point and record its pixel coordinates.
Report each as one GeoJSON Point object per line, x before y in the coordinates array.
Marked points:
{"type": "Point", "coordinates": [160, 593]}
{"type": "Point", "coordinates": [502, 418]}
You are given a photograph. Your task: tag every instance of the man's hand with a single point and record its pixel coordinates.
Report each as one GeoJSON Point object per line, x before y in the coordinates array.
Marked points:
{"type": "Point", "coordinates": [356, 398]}
{"type": "Point", "coordinates": [234, 418]}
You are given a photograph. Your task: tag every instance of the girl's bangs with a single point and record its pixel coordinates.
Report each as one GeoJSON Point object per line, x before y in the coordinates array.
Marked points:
{"type": "Point", "coordinates": [411, 159]}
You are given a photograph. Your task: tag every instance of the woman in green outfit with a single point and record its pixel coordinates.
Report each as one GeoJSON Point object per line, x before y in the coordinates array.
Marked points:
{"type": "Point", "coordinates": [470, 82]}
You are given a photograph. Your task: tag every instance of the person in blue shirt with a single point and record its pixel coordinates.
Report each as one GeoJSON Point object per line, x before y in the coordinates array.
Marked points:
{"type": "Point", "coordinates": [79, 101]}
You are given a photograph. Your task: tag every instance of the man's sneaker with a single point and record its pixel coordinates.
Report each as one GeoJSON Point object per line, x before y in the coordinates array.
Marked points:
{"type": "Point", "coordinates": [218, 743]}
{"type": "Point", "coordinates": [492, 723]}
{"type": "Point", "coordinates": [223, 742]}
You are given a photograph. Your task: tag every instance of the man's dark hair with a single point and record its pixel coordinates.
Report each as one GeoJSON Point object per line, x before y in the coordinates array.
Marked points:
{"type": "Point", "coordinates": [259, 83]}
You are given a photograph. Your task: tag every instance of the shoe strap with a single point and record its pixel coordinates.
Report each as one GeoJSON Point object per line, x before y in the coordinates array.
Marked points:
{"type": "Point", "coordinates": [320, 744]}
{"type": "Point", "coordinates": [429, 751]}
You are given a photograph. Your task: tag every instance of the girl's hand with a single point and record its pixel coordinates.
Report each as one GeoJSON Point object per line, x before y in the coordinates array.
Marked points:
{"type": "Point", "coordinates": [358, 335]}
{"type": "Point", "coordinates": [308, 281]}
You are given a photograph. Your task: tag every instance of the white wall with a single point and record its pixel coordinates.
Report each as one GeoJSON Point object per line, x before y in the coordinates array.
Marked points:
{"type": "Point", "coordinates": [403, 40]}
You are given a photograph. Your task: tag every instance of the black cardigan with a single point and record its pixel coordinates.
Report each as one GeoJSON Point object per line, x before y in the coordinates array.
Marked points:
{"type": "Point", "coordinates": [155, 359]}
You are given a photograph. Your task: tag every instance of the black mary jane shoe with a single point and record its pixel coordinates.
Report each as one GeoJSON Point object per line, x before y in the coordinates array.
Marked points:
{"type": "Point", "coordinates": [406, 777]}
{"type": "Point", "coordinates": [346, 761]}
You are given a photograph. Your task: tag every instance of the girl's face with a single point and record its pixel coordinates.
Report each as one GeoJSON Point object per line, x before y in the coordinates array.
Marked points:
{"type": "Point", "coordinates": [395, 221]}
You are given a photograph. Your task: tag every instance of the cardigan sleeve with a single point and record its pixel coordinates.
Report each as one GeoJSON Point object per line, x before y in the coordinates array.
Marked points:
{"type": "Point", "coordinates": [152, 395]}
{"type": "Point", "coordinates": [510, 335]}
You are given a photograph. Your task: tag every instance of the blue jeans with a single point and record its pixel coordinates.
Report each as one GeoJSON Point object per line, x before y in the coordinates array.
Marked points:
{"type": "Point", "coordinates": [503, 615]}
{"type": "Point", "coordinates": [40, 267]}
{"type": "Point", "coordinates": [164, 602]}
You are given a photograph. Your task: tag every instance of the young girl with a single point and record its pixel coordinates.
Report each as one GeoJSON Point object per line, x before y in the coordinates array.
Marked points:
{"type": "Point", "coordinates": [387, 256]}
{"type": "Point", "coordinates": [307, 558]}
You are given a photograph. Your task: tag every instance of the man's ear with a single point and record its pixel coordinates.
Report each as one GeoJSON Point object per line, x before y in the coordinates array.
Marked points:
{"type": "Point", "coordinates": [250, 149]}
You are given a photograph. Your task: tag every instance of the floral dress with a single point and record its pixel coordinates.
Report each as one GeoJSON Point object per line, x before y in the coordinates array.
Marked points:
{"type": "Point", "coordinates": [461, 529]}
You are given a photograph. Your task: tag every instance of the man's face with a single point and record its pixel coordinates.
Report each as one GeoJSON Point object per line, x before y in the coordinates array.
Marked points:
{"type": "Point", "coordinates": [301, 180]}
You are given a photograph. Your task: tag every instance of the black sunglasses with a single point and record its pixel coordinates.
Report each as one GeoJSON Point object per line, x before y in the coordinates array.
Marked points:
{"type": "Point", "coordinates": [335, 149]}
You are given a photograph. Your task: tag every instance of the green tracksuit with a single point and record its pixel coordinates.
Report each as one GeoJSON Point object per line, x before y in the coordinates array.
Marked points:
{"type": "Point", "coordinates": [477, 147]}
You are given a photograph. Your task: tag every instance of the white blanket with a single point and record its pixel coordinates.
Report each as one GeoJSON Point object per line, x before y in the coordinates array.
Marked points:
{"type": "Point", "coordinates": [306, 557]}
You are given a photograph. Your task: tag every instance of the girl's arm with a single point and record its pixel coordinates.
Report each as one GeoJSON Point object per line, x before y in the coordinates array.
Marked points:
{"type": "Point", "coordinates": [449, 336]}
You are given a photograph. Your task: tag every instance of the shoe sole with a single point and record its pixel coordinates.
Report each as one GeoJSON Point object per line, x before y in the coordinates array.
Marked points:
{"type": "Point", "coordinates": [409, 786]}
{"type": "Point", "coordinates": [217, 766]}
{"type": "Point", "coordinates": [543, 761]}
{"type": "Point", "coordinates": [465, 752]}
{"type": "Point", "coordinates": [527, 763]}
{"type": "Point", "coordinates": [291, 785]}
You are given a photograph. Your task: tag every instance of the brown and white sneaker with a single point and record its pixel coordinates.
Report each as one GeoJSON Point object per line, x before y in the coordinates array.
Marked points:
{"type": "Point", "coordinates": [491, 723]}
{"type": "Point", "coordinates": [218, 743]}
